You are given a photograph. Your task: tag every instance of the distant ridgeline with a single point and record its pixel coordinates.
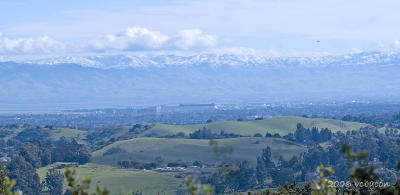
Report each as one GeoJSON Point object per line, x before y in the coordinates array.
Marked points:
{"type": "Point", "coordinates": [197, 114]}
{"type": "Point", "coordinates": [123, 80]}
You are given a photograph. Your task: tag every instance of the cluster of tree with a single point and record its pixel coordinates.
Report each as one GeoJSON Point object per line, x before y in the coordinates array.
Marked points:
{"type": "Point", "coordinates": [313, 135]}
{"type": "Point", "coordinates": [53, 182]}
{"type": "Point", "coordinates": [139, 128]}
{"type": "Point", "coordinates": [5, 132]}
{"type": "Point", "coordinates": [136, 164]}
{"type": "Point", "coordinates": [390, 120]}
{"type": "Point", "coordinates": [34, 154]}
{"type": "Point", "coordinates": [69, 150]}
{"type": "Point", "coordinates": [38, 154]}
{"type": "Point", "coordinates": [25, 174]}
{"type": "Point", "coordinates": [206, 133]}
{"type": "Point", "coordinates": [176, 135]}
{"type": "Point", "coordinates": [33, 134]}
{"type": "Point", "coordinates": [232, 177]}
{"type": "Point", "coordinates": [159, 161]}
{"type": "Point", "coordinates": [272, 135]}
{"type": "Point", "coordinates": [102, 136]}
{"type": "Point", "coordinates": [27, 180]}
{"type": "Point", "coordinates": [178, 163]}
{"type": "Point", "coordinates": [203, 133]}
{"type": "Point", "coordinates": [384, 152]}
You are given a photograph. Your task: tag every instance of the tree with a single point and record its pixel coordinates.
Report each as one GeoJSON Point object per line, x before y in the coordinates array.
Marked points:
{"type": "Point", "coordinates": [323, 186]}
{"type": "Point", "coordinates": [25, 175]}
{"type": "Point", "coordinates": [315, 134]}
{"type": "Point", "coordinates": [54, 182]}
{"type": "Point", "coordinates": [247, 179]}
{"type": "Point", "coordinates": [5, 183]}
{"type": "Point", "coordinates": [232, 177]}
{"type": "Point", "coordinates": [264, 165]}
{"type": "Point", "coordinates": [71, 151]}
{"type": "Point", "coordinates": [203, 133]}
{"type": "Point", "coordinates": [33, 134]}
{"type": "Point", "coordinates": [160, 161]}
{"type": "Point", "coordinates": [195, 187]}
{"type": "Point", "coordinates": [31, 154]}
{"type": "Point", "coordinates": [37, 153]}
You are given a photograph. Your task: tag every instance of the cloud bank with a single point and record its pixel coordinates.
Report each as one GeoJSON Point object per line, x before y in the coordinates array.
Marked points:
{"type": "Point", "coordinates": [133, 39]}
{"type": "Point", "coordinates": [42, 45]}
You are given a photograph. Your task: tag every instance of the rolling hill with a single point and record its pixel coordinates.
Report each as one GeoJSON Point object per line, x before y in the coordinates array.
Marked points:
{"type": "Point", "coordinates": [190, 150]}
{"type": "Point", "coordinates": [281, 125]}
{"type": "Point", "coordinates": [120, 180]}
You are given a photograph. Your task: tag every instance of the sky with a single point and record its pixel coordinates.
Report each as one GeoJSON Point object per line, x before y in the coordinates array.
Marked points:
{"type": "Point", "coordinates": [271, 27]}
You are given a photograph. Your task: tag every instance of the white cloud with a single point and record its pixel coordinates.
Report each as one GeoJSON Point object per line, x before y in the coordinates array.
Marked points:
{"type": "Point", "coordinates": [39, 45]}
{"type": "Point", "coordinates": [142, 39]}
{"type": "Point", "coordinates": [251, 23]}
{"type": "Point", "coordinates": [388, 46]}
{"type": "Point", "coordinates": [133, 39]}
{"type": "Point", "coordinates": [194, 40]}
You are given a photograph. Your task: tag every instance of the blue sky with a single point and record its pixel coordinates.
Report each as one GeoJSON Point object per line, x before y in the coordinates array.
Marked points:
{"type": "Point", "coordinates": [275, 27]}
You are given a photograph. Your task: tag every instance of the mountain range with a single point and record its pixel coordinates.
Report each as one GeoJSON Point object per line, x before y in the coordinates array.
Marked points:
{"type": "Point", "coordinates": [127, 80]}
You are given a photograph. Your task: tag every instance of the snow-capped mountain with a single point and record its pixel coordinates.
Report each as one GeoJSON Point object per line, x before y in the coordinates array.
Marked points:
{"type": "Point", "coordinates": [141, 61]}
{"type": "Point", "coordinates": [106, 80]}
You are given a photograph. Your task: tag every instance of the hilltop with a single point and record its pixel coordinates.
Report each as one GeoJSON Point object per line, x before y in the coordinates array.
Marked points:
{"type": "Point", "coordinates": [190, 150]}
{"type": "Point", "coordinates": [281, 125]}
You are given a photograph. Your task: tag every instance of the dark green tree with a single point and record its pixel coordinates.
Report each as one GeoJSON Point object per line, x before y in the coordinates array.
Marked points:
{"type": "Point", "coordinates": [5, 183]}
{"type": "Point", "coordinates": [25, 175]}
{"type": "Point", "coordinates": [264, 165]}
{"type": "Point", "coordinates": [36, 153]}
{"type": "Point", "coordinates": [54, 182]}
{"type": "Point", "coordinates": [69, 150]}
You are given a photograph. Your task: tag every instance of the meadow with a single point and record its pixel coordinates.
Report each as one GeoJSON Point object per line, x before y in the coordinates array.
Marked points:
{"type": "Point", "coordinates": [122, 180]}
{"type": "Point", "coordinates": [281, 125]}
{"type": "Point", "coordinates": [190, 150]}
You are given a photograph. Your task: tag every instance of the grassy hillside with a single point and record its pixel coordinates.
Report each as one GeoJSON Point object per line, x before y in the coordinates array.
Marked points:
{"type": "Point", "coordinates": [51, 134]}
{"type": "Point", "coordinates": [115, 179]}
{"type": "Point", "coordinates": [69, 133]}
{"type": "Point", "coordinates": [146, 149]}
{"type": "Point", "coordinates": [281, 125]}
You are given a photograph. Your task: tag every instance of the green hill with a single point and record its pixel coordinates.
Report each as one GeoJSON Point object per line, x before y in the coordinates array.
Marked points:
{"type": "Point", "coordinates": [120, 180]}
{"type": "Point", "coordinates": [190, 150]}
{"type": "Point", "coordinates": [68, 133]}
{"type": "Point", "coordinates": [281, 125]}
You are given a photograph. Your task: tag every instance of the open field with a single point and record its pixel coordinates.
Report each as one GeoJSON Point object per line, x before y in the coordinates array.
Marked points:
{"type": "Point", "coordinates": [281, 125]}
{"type": "Point", "coordinates": [146, 149]}
{"type": "Point", "coordinates": [122, 180]}
{"type": "Point", "coordinates": [69, 133]}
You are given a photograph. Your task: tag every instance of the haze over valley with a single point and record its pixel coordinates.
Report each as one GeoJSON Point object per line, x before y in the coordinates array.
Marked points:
{"type": "Point", "coordinates": [104, 81]}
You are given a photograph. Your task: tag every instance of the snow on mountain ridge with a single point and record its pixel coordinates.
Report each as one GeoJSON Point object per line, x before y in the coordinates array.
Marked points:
{"type": "Point", "coordinates": [142, 61]}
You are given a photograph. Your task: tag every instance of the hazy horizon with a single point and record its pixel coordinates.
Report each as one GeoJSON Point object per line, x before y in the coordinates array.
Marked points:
{"type": "Point", "coordinates": [57, 55]}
